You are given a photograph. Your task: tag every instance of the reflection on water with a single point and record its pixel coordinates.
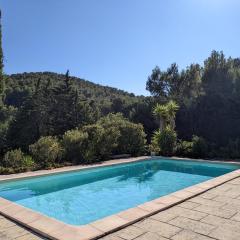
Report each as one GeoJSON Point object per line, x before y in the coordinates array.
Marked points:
{"type": "Point", "coordinates": [100, 192]}
{"type": "Point", "coordinates": [140, 172]}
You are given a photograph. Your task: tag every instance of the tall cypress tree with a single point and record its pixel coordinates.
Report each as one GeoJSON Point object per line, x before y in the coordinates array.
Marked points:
{"type": "Point", "coordinates": [1, 63]}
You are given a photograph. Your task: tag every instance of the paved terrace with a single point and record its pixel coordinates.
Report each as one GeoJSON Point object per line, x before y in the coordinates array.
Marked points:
{"type": "Point", "coordinates": [214, 214]}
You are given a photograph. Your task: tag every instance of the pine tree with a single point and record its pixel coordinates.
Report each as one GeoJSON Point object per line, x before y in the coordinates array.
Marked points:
{"type": "Point", "coordinates": [31, 121]}
{"type": "Point", "coordinates": [62, 111]}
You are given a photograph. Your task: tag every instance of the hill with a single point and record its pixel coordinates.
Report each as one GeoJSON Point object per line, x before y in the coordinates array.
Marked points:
{"type": "Point", "coordinates": [38, 92]}
{"type": "Point", "coordinates": [18, 86]}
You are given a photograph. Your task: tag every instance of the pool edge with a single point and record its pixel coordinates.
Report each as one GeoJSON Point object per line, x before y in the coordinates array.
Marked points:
{"type": "Point", "coordinates": [40, 173]}
{"type": "Point", "coordinates": [57, 230]}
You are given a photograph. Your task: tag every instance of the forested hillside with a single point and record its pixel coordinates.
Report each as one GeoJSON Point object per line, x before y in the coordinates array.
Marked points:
{"type": "Point", "coordinates": [49, 119]}
{"type": "Point", "coordinates": [41, 104]}
{"type": "Point", "coordinates": [19, 85]}
{"type": "Point", "coordinates": [50, 104]}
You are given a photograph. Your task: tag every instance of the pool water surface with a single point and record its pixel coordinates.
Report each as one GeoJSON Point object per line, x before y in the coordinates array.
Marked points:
{"type": "Point", "coordinates": [85, 196]}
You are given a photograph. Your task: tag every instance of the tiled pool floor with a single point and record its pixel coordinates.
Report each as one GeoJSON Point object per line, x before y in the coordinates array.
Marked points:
{"type": "Point", "coordinates": [214, 214]}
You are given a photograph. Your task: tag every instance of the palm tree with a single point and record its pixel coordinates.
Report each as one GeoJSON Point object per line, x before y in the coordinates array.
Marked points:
{"type": "Point", "coordinates": [172, 108]}
{"type": "Point", "coordinates": [162, 113]}
{"type": "Point", "coordinates": [166, 114]}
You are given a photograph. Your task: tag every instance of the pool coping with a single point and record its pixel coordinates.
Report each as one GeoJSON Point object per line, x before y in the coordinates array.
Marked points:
{"type": "Point", "coordinates": [57, 230]}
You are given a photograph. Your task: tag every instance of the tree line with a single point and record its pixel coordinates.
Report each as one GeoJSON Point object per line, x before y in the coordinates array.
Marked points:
{"type": "Point", "coordinates": [49, 119]}
{"type": "Point", "coordinates": [209, 104]}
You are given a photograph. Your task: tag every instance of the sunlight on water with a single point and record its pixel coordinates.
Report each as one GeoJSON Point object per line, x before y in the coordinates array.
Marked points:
{"type": "Point", "coordinates": [85, 196]}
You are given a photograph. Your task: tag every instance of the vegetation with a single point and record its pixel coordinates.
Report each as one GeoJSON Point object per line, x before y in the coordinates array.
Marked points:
{"type": "Point", "coordinates": [1, 65]}
{"type": "Point", "coordinates": [74, 142]}
{"type": "Point", "coordinates": [196, 148]}
{"type": "Point", "coordinates": [131, 138]}
{"type": "Point", "coordinates": [46, 151]}
{"type": "Point", "coordinates": [209, 103]}
{"type": "Point", "coordinates": [100, 143]}
{"type": "Point", "coordinates": [111, 135]}
{"type": "Point", "coordinates": [164, 140]}
{"type": "Point", "coordinates": [49, 119]}
{"type": "Point", "coordinates": [16, 161]}
{"type": "Point", "coordinates": [166, 114]}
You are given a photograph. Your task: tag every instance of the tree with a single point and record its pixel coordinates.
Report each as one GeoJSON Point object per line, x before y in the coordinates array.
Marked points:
{"type": "Point", "coordinates": [32, 119]}
{"type": "Point", "coordinates": [164, 139]}
{"type": "Point", "coordinates": [141, 112]}
{"type": "Point", "coordinates": [216, 78]}
{"type": "Point", "coordinates": [67, 110]}
{"type": "Point", "coordinates": [216, 109]}
{"type": "Point", "coordinates": [1, 64]}
{"type": "Point", "coordinates": [172, 108]}
{"type": "Point", "coordinates": [190, 85]}
{"type": "Point", "coordinates": [7, 113]}
{"type": "Point", "coordinates": [166, 114]}
{"type": "Point", "coordinates": [182, 87]}
{"type": "Point", "coordinates": [163, 84]}
{"type": "Point", "coordinates": [161, 112]}
{"type": "Point", "coordinates": [63, 108]}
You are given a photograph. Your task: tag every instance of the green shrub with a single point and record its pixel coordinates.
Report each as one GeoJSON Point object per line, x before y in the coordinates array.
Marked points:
{"type": "Point", "coordinates": [74, 143]}
{"type": "Point", "coordinates": [13, 159]}
{"type": "Point", "coordinates": [199, 147]}
{"type": "Point", "coordinates": [155, 145]}
{"type": "Point", "coordinates": [184, 148]}
{"type": "Point", "coordinates": [165, 141]}
{"type": "Point", "coordinates": [132, 138]}
{"type": "Point", "coordinates": [101, 142]}
{"type": "Point", "coordinates": [47, 151]}
{"type": "Point", "coordinates": [90, 144]}
{"type": "Point", "coordinates": [112, 134]}
{"type": "Point", "coordinates": [29, 162]}
{"type": "Point", "coordinates": [8, 170]}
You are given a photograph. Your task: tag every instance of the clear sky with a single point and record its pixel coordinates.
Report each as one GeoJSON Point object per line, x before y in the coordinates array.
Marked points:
{"type": "Point", "coordinates": [116, 42]}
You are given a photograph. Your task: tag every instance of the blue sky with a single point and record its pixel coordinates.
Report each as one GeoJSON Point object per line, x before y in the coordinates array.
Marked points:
{"type": "Point", "coordinates": [116, 42]}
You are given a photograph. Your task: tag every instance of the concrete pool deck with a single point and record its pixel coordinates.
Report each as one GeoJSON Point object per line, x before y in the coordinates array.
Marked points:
{"type": "Point", "coordinates": [209, 210]}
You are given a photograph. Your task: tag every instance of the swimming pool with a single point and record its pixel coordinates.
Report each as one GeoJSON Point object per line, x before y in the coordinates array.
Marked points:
{"type": "Point", "coordinates": [84, 196]}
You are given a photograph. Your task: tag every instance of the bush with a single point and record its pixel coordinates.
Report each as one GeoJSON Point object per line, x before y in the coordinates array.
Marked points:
{"type": "Point", "coordinates": [46, 151]}
{"type": "Point", "coordinates": [199, 147]}
{"type": "Point", "coordinates": [165, 141]}
{"type": "Point", "coordinates": [16, 161]}
{"type": "Point", "coordinates": [184, 148]}
{"type": "Point", "coordinates": [155, 145]}
{"type": "Point", "coordinates": [232, 150]}
{"type": "Point", "coordinates": [13, 159]}
{"type": "Point", "coordinates": [112, 134]}
{"type": "Point", "coordinates": [101, 142]}
{"type": "Point", "coordinates": [90, 144]}
{"type": "Point", "coordinates": [74, 143]}
{"type": "Point", "coordinates": [29, 162]}
{"type": "Point", "coordinates": [132, 138]}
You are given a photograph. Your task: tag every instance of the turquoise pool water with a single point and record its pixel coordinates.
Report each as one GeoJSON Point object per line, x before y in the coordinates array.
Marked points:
{"type": "Point", "coordinates": [84, 196]}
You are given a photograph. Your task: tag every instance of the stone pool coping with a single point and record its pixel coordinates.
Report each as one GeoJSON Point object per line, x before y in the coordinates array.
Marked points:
{"type": "Point", "coordinates": [54, 229]}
